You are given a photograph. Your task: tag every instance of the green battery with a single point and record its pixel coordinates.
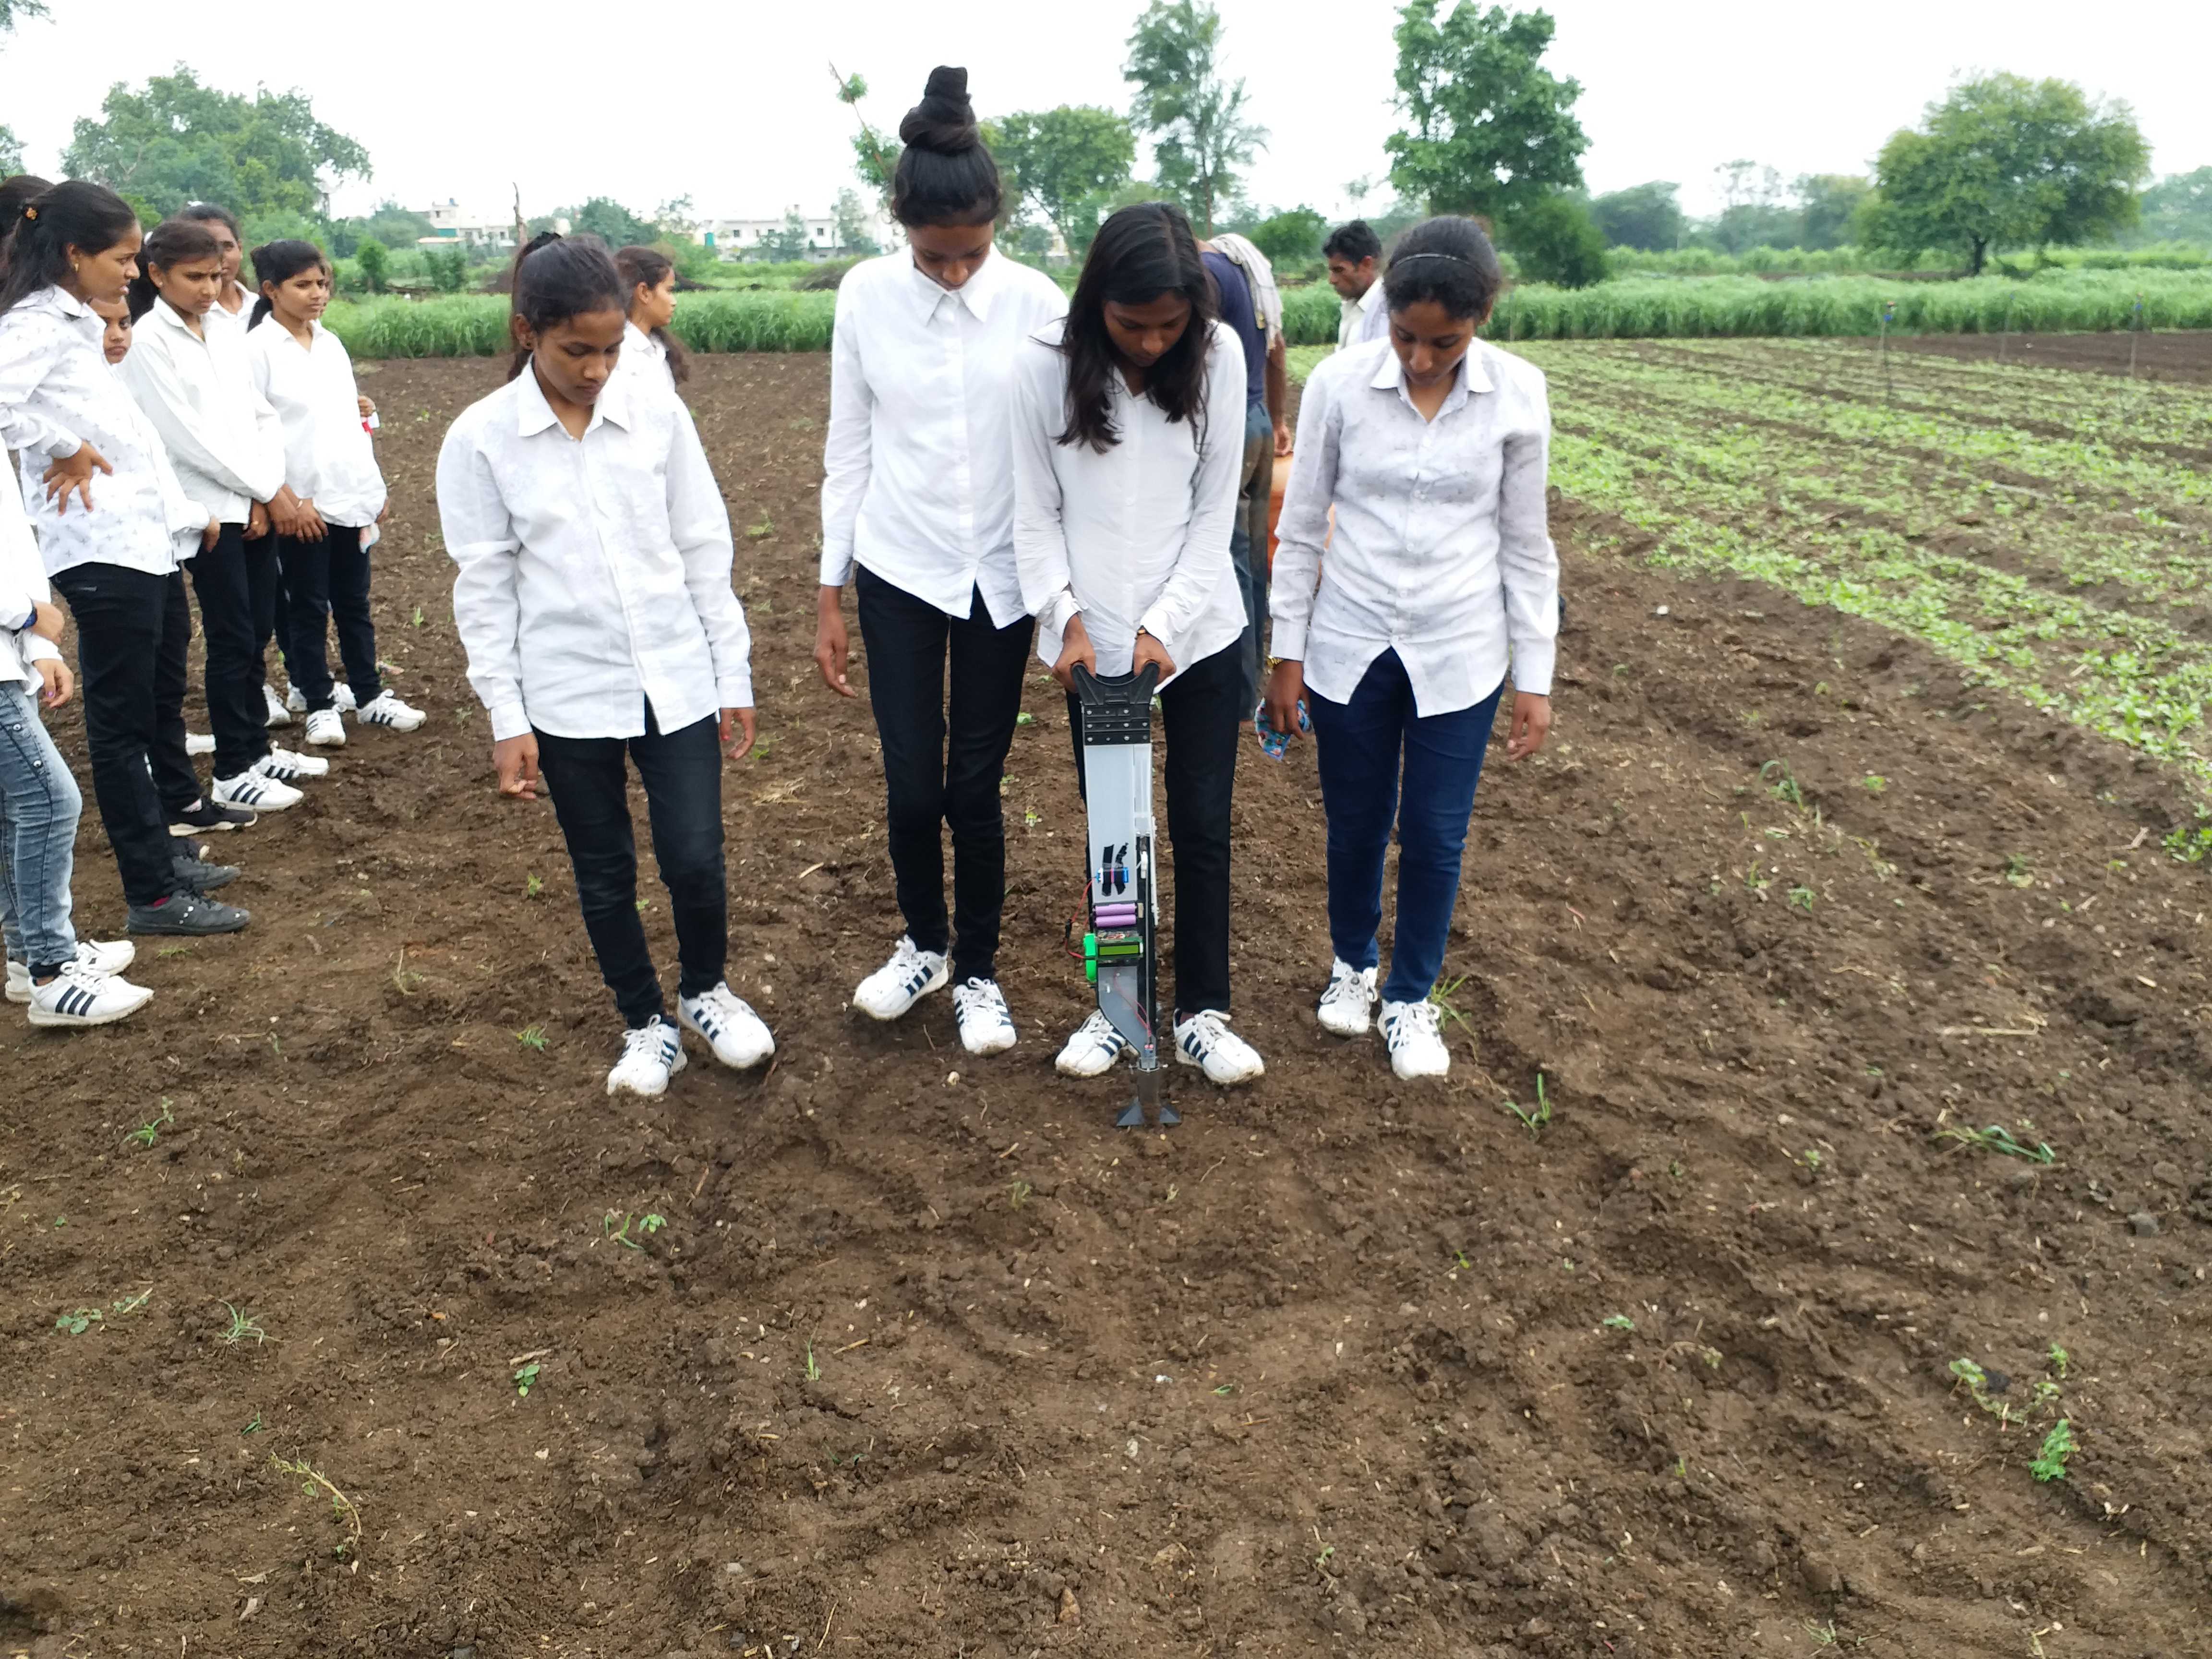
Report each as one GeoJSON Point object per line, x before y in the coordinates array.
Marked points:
{"type": "Point", "coordinates": [1090, 959]}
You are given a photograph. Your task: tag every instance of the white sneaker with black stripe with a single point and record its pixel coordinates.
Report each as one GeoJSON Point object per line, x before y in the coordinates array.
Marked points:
{"type": "Point", "coordinates": [1205, 1041]}
{"type": "Point", "coordinates": [325, 729]}
{"type": "Point", "coordinates": [727, 1024]}
{"type": "Point", "coordinates": [77, 996]}
{"type": "Point", "coordinates": [385, 709]}
{"type": "Point", "coordinates": [1348, 1004]}
{"type": "Point", "coordinates": [1415, 1033]}
{"type": "Point", "coordinates": [289, 766]}
{"type": "Point", "coordinates": [295, 701]}
{"type": "Point", "coordinates": [652, 1053]}
{"type": "Point", "coordinates": [278, 713]}
{"type": "Point", "coordinates": [905, 980]}
{"type": "Point", "coordinates": [1092, 1049]}
{"type": "Point", "coordinates": [256, 792]}
{"type": "Point", "coordinates": [986, 1027]}
{"type": "Point", "coordinates": [92, 956]}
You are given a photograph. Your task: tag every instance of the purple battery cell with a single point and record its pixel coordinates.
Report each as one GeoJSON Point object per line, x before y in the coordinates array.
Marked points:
{"type": "Point", "coordinates": [1114, 915]}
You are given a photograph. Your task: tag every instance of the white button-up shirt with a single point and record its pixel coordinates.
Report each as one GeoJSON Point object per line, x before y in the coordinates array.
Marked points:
{"type": "Point", "coordinates": [198, 391]}
{"type": "Point", "coordinates": [918, 468]}
{"type": "Point", "coordinates": [328, 457]}
{"type": "Point", "coordinates": [594, 571]}
{"type": "Point", "coordinates": [1138, 537]}
{"type": "Point", "coordinates": [1365, 318]}
{"type": "Point", "coordinates": [57, 392]}
{"type": "Point", "coordinates": [23, 583]}
{"type": "Point", "coordinates": [241, 320]}
{"type": "Point", "coordinates": [640, 350]}
{"type": "Point", "coordinates": [1441, 550]}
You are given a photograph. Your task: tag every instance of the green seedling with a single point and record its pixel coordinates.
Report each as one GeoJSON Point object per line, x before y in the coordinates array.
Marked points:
{"type": "Point", "coordinates": [1020, 1195]}
{"type": "Point", "coordinates": [1995, 1138]}
{"type": "Point", "coordinates": [147, 1134]}
{"type": "Point", "coordinates": [765, 527]}
{"type": "Point", "coordinates": [1787, 789]}
{"type": "Point", "coordinates": [1460, 1261]}
{"type": "Point", "coordinates": [1031, 818]}
{"type": "Point", "coordinates": [1441, 994]}
{"type": "Point", "coordinates": [813, 1365]}
{"type": "Point", "coordinates": [2058, 1359]}
{"type": "Point", "coordinates": [1533, 1121]}
{"type": "Point", "coordinates": [243, 1325]}
{"type": "Point", "coordinates": [525, 1377]}
{"type": "Point", "coordinates": [649, 1224]}
{"type": "Point", "coordinates": [253, 1427]}
{"type": "Point", "coordinates": [2049, 1462]}
{"type": "Point", "coordinates": [1226, 1390]}
{"type": "Point", "coordinates": [2019, 872]}
{"type": "Point", "coordinates": [1976, 1381]}
{"type": "Point", "coordinates": [130, 1305]}
{"type": "Point", "coordinates": [314, 1483]}
{"type": "Point", "coordinates": [417, 619]}
{"type": "Point", "coordinates": [531, 1036]}
{"type": "Point", "coordinates": [1801, 898]}
{"type": "Point", "coordinates": [78, 1320]}
{"type": "Point", "coordinates": [2046, 1393]}
{"type": "Point", "coordinates": [1810, 1158]}
{"type": "Point", "coordinates": [1618, 1323]}
{"type": "Point", "coordinates": [2191, 845]}
{"type": "Point", "coordinates": [1024, 718]}
{"type": "Point", "coordinates": [1873, 783]}
{"type": "Point", "coordinates": [532, 887]}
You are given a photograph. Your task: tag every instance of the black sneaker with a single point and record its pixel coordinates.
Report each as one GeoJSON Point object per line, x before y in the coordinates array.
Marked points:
{"type": "Point", "coordinates": [208, 817]}
{"type": "Point", "coordinates": [200, 876]}
{"type": "Point", "coordinates": [187, 914]}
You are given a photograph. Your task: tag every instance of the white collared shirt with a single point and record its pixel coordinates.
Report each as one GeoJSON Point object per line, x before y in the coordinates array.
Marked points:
{"type": "Point", "coordinates": [57, 392]}
{"type": "Point", "coordinates": [328, 457]}
{"type": "Point", "coordinates": [22, 584]}
{"type": "Point", "coordinates": [642, 349]}
{"type": "Point", "coordinates": [1138, 537]}
{"type": "Point", "coordinates": [1362, 319]}
{"type": "Point", "coordinates": [198, 391]}
{"type": "Point", "coordinates": [1441, 550]}
{"type": "Point", "coordinates": [594, 571]}
{"type": "Point", "coordinates": [918, 467]}
{"type": "Point", "coordinates": [241, 320]}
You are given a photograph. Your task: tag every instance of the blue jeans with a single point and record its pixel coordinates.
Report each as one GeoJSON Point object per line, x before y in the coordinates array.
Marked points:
{"type": "Point", "coordinates": [1359, 745]}
{"type": "Point", "coordinates": [39, 805]}
{"type": "Point", "coordinates": [1248, 546]}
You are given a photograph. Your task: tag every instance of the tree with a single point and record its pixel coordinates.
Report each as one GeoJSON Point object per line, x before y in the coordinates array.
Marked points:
{"type": "Point", "coordinates": [448, 268]}
{"type": "Point", "coordinates": [853, 224]}
{"type": "Point", "coordinates": [13, 12]}
{"type": "Point", "coordinates": [611, 221]}
{"type": "Point", "coordinates": [374, 263]}
{"type": "Point", "coordinates": [787, 244]}
{"type": "Point", "coordinates": [875, 156]}
{"type": "Point", "coordinates": [1555, 238]}
{"type": "Point", "coordinates": [1289, 236]}
{"type": "Point", "coordinates": [11, 153]}
{"type": "Point", "coordinates": [1194, 119]}
{"type": "Point", "coordinates": [175, 141]}
{"type": "Point", "coordinates": [390, 224]}
{"type": "Point", "coordinates": [1492, 129]}
{"type": "Point", "coordinates": [1827, 205]}
{"type": "Point", "coordinates": [1644, 216]}
{"type": "Point", "coordinates": [1752, 210]}
{"type": "Point", "coordinates": [1065, 162]}
{"type": "Point", "coordinates": [2179, 208]}
{"type": "Point", "coordinates": [2003, 162]}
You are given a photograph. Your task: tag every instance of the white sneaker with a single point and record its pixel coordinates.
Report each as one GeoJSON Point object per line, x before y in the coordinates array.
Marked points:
{"type": "Point", "coordinates": [280, 713]}
{"type": "Point", "coordinates": [729, 1026]}
{"type": "Point", "coordinates": [652, 1053]}
{"type": "Point", "coordinates": [1417, 1044]}
{"type": "Point", "coordinates": [288, 766]}
{"type": "Point", "coordinates": [986, 1027]}
{"type": "Point", "coordinates": [77, 996]}
{"type": "Point", "coordinates": [325, 729]}
{"type": "Point", "coordinates": [92, 956]}
{"type": "Point", "coordinates": [199, 743]}
{"type": "Point", "coordinates": [256, 792]}
{"type": "Point", "coordinates": [905, 980]}
{"type": "Point", "coordinates": [1348, 1004]}
{"type": "Point", "coordinates": [1205, 1041]}
{"type": "Point", "coordinates": [341, 699]}
{"type": "Point", "coordinates": [385, 709]}
{"type": "Point", "coordinates": [1093, 1049]}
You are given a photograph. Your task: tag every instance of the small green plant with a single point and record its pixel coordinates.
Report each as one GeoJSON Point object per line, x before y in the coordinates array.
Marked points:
{"type": "Point", "coordinates": [1020, 1195]}
{"type": "Point", "coordinates": [1460, 1262]}
{"type": "Point", "coordinates": [1031, 818]}
{"type": "Point", "coordinates": [147, 1134]}
{"type": "Point", "coordinates": [2049, 1462]}
{"type": "Point", "coordinates": [1976, 1381]}
{"type": "Point", "coordinates": [1226, 1390]}
{"type": "Point", "coordinates": [525, 1377]}
{"type": "Point", "coordinates": [1810, 1158]}
{"type": "Point", "coordinates": [764, 528]}
{"type": "Point", "coordinates": [314, 1483]}
{"type": "Point", "coordinates": [532, 887]}
{"type": "Point", "coordinates": [243, 1325]}
{"type": "Point", "coordinates": [254, 1426]}
{"type": "Point", "coordinates": [1618, 1323]}
{"type": "Point", "coordinates": [2191, 844]}
{"type": "Point", "coordinates": [1873, 783]}
{"type": "Point", "coordinates": [78, 1320]}
{"type": "Point", "coordinates": [417, 619]}
{"type": "Point", "coordinates": [813, 1365]}
{"type": "Point", "coordinates": [1787, 789]}
{"type": "Point", "coordinates": [1801, 898]}
{"type": "Point", "coordinates": [1995, 1138]}
{"type": "Point", "coordinates": [1533, 1121]}
{"type": "Point", "coordinates": [1024, 718]}
{"type": "Point", "coordinates": [129, 1304]}
{"type": "Point", "coordinates": [1441, 994]}
{"type": "Point", "coordinates": [2018, 872]}
{"type": "Point", "coordinates": [2058, 1359]}
{"type": "Point", "coordinates": [532, 1037]}
{"type": "Point", "coordinates": [618, 1228]}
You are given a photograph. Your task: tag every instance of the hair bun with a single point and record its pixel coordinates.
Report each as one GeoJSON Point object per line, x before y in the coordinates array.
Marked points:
{"type": "Point", "coordinates": [944, 121]}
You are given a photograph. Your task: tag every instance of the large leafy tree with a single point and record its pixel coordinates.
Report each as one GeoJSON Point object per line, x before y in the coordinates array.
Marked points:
{"type": "Point", "coordinates": [1490, 130]}
{"type": "Point", "coordinates": [1293, 235]}
{"type": "Point", "coordinates": [1646, 216]}
{"type": "Point", "coordinates": [2179, 208]}
{"type": "Point", "coordinates": [2004, 162]}
{"type": "Point", "coordinates": [1065, 162]}
{"type": "Point", "coordinates": [1753, 212]}
{"type": "Point", "coordinates": [174, 141]}
{"type": "Point", "coordinates": [1828, 206]}
{"type": "Point", "coordinates": [1194, 115]}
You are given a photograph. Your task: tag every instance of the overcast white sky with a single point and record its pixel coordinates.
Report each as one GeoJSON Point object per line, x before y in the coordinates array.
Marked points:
{"type": "Point", "coordinates": [732, 104]}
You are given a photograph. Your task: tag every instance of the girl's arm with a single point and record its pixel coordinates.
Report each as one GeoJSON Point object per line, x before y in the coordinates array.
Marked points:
{"type": "Point", "coordinates": [1204, 553]}
{"type": "Point", "coordinates": [1040, 536]}
{"type": "Point", "coordinates": [1528, 562]}
{"type": "Point", "coordinates": [487, 601]}
{"type": "Point", "coordinates": [700, 524]}
{"type": "Point", "coordinates": [846, 453]}
{"type": "Point", "coordinates": [1303, 530]}
{"type": "Point", "coordinates": [28, 349]}
{"type": "Point", "coordinates": [239, 462]}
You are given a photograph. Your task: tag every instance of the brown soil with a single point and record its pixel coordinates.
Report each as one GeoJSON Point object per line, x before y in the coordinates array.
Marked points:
{"type": "Point", "coordinates": [2181, 355]}
{"type": "Point", "coordinates": [925, 1366]}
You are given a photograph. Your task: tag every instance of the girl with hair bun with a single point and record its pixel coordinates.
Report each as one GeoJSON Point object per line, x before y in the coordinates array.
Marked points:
{"type": "Point", "coordinates": [1431, 447]}
{"type": "Point", "coordinates": [917, 514]}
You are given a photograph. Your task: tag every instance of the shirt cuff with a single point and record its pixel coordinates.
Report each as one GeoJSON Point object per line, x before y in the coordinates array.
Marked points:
{"type": "Point", "coordinates": [1287, 641]}
{"type": "Point", "coordinates": [37, 647]}
{"type": "Point", "coordinates": [836, 567]}
{"type": "Point", "coordinates": [1533, 661]}
{"type": "Point", "coordinates": [1060, 610]}
{"type": "Point", "coordinates": [508, 719]}
{"type": "Point", "coordinates": [1161, 626]}
{"type": "Point", "coordinates": [734, 691]}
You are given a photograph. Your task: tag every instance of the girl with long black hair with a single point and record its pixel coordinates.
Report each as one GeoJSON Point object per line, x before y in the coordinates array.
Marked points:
{"type": "Point", "coordinates": [647, 343]}
{"type": "Point", "coordinates": [1128, 437]}
{"type": "Point", "coordinates": [917, 513]}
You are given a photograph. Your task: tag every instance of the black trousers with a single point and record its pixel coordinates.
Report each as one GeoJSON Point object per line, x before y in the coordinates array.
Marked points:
{"type": "Point", "coordinates": [682, 772]}
{"type": "Point", "coordinates": [1201, 710]}
{"type": "Point", "coordinates": [276, 624]}
{"type": "Point", "coordinates": [943, 759]}
{"type": "Point", "coordinates": [131, 627]}
{"type": "Point", "coordinates": [236, 581]}
{"type": "Point", "coordinates": [322, 580]}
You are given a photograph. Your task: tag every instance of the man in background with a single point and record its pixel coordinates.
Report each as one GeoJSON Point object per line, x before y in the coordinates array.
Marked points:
{"type": "Point", "coordinates": [1252, 305]}
{"type": "Point", "coordinates": [1354, 253]}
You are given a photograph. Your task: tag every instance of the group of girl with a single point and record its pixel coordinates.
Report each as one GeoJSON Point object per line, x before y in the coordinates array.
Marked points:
{"type": "Point", "coordinates": [166, 419]}
{"type": "Point", "coordinates": [1007, 471]}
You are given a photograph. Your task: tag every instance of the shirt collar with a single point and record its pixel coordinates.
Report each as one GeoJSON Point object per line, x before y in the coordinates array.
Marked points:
{"type": "Point", "coordinates": [976, 293]}
{"type": "Point", "coordinates": [1472, 378]}
{"type": "Point", "coordinates": [1372, 298]}
{"type": "Point", "coordinates": [533, 415]}
{"type": "Point", "coordinates": [57, 298]}
{"type": "Point", "coordinates": [169, 317]}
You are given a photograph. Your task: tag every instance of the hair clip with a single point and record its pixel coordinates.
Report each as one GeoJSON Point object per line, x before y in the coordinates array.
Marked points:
{"type": "Point", "coordinates": [30, 213]}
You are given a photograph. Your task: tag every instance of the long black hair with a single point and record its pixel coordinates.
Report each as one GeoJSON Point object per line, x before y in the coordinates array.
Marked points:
{"type": "Point", "coordinates": [1141, 253]}
{"type": "Point", "coordinates": [557, 277]}
{"type": "Point", "coordinates": [651, 267]}
{"type": "Point", "coordinates": [209, 213]}
{"type": "Point", "coordinates": [168, 244]}
{"type": "Point", "coordinates": [17, 193]}
{"type": "Point", "coordinates": [1448, 260]}
{"type": "Point", "coordinates": [74, 213]}
{"type": "Point", "coordinates": [945, 176]}
{"type": "Point", "coordinates": [276, 264]}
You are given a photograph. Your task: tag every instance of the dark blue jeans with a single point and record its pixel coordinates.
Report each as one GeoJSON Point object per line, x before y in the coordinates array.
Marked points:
{"type": "Point", "coordinates": [1247, 547]}
{"type": "Point", "coordinates": [1359, 745]}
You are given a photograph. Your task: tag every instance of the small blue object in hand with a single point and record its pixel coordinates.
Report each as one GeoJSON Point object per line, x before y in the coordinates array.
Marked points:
{"type": "Point", "coordinates": [1271, 741]}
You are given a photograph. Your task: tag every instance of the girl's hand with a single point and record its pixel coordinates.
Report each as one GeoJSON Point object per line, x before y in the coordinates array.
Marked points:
{"type": "Point", "coordinates": [211, 534]}
{"type": "Point", "coordinates": [1074, 648]}
{"type": "Point", "coordinates": [1530, 724]}
{"type": "Point", "coordinates": [57, 682]}
{"type": "Point", "coordinates": [747, 724]}
{"type": "Point", "coordinates": [1287, 683]}
{"type": "Point", "coordinates": [1149, 649]}
{"type": "Point", "coordinates": [257, 521]}
{"type": "Point", "coordinates": [72, 475]}
{"type": "Point", "coordinates": [832, 645]}
{"type": "Point", "coordinates": [46, 620]}
{"type": "Point", "coordinates": [367, 407]}
{"type": "Point", "coordinates": [515, 760]}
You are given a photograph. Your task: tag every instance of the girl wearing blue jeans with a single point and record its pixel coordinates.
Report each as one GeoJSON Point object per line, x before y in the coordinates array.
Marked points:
{"type": "Point", "coordinates": [1431, 447]}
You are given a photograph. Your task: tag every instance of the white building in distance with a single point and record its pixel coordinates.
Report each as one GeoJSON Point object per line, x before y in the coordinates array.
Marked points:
{"type": "Point", "coordinates": [742, 238]}
{"type": "Point", "coordinates": [452, 224]}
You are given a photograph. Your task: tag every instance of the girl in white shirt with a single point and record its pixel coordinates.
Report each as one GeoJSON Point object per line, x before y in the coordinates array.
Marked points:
{"type": "Point", "coordinates": [304, 372]}
{"type": "Point", "coordinates": [1128, 437]}
{"type": "Point", "coordinates": [111, 530]}
{"type": "Point", "coordinates": [647, 343]}
{"type": "Point", "coordinates": [192, 379]}
{"type": "Point", "coordinates": [594, 597]}
{"type": "Point", "coordinates": [917, 512]}
{"type": "Point", "coordinates": [1431, 445]}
